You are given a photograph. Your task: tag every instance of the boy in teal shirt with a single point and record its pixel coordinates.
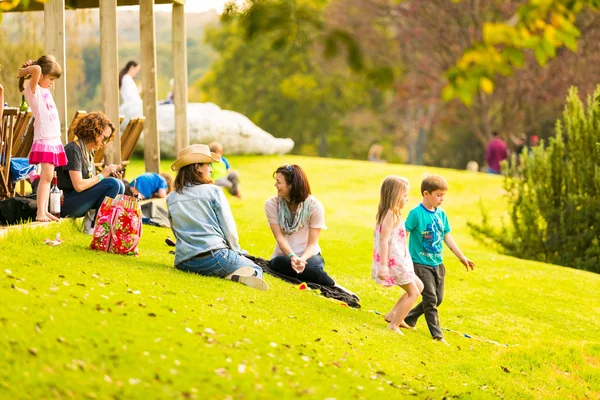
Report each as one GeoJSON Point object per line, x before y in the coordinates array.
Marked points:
{"type": "Point", "coordinates": [428, 226]}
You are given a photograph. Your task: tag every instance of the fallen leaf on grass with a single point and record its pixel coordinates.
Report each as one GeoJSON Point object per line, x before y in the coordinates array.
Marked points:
{"type": "Point", "coordinates": [221, 371]}
{"type": "Point", "coordinates": [505, 369]}
{"type": "Point", "coordinates": [33, 351]}
{"type": "Point", "coordinates": [151, 314]}
{"type": "Point", "coordinates": [18, 289]}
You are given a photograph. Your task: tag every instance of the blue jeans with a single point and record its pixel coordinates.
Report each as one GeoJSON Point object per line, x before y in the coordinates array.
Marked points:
{"type": "Point", "coordinates": [219, 263]}
{"type": "Point", "coordinates": [78, 203]}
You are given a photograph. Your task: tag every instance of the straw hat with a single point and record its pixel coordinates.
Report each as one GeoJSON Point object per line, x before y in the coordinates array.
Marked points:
{"type": "Point", "coordinates": [194, 154]}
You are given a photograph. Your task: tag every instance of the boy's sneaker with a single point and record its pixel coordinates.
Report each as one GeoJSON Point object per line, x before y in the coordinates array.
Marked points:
{"type": "Point", "coordinates": [88, 222]}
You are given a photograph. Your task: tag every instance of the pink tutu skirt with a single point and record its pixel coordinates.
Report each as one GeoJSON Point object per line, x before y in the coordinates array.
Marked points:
{"type": "Point", "coordinates": [48, 151]}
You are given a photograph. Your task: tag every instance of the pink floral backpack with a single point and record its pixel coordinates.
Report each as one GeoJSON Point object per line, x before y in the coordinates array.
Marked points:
{"type": "Point", "coordinates": [118, 226]}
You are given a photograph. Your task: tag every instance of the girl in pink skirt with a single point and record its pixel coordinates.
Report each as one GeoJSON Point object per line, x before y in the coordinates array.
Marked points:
{"type": "Point", "coordinates": [392, 264]}
{"type": "Point", "coordinates": [47, 149]}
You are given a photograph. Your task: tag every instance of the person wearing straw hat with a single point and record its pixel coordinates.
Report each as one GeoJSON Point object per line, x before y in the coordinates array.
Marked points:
{"type": "Point", "coordinates": [202, 222]}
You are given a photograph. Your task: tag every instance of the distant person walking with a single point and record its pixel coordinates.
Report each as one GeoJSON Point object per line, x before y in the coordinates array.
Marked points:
{"type": "Point", "coordinates": [131, 101]}
{"type": "Point", "coordinates": [375, 153]}
{"type": "Point", "coordinates": [495, 153]}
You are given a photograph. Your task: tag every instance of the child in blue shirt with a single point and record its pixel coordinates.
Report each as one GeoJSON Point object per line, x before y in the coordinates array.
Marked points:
{"type": "Point", "coordinates": [150, 185]}
{"type": "Point", "coordinates": [428, 226]}
{"type": "Point", "coordinates": [221, 173]}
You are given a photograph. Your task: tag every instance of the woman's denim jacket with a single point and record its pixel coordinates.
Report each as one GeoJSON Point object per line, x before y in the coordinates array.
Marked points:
{"type": "Point", "coordinates": [201, 221]}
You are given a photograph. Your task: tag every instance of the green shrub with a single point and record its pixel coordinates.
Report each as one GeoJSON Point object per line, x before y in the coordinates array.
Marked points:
{"type": "Point", "coordinates": [554, 194]}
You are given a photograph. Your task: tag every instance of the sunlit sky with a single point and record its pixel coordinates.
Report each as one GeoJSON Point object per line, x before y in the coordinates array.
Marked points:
{"type": "Point", "coordinates": [192, 6]}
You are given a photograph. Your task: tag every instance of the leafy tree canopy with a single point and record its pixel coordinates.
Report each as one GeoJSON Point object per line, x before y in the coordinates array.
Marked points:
{"type": "Point", "coordinates": [541, 26]}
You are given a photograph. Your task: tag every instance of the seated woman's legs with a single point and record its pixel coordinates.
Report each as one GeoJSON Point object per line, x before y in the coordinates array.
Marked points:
{"type": "Point", "coordinates": [283, 265]}
{"type": "Point", "coordinates": [78, 203]}
{"type": "Point", "coordinates": [313, 272]}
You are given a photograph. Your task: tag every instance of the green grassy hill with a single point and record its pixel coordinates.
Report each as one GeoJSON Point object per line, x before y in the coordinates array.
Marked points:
{"type": "Point", "coordinates": [81, 324]}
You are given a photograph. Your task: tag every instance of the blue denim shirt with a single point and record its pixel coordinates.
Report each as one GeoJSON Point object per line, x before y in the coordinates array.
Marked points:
{"type": "Point", "coordinates": [201, 221]}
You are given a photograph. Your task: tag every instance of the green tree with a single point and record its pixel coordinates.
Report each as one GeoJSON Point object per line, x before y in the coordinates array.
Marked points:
{"type": "Point", "coordinates": [288, 90]}
{"type": "Point", "coordinates": [542, 27]}
{"type": "Point", "coordinates": [554, 193]}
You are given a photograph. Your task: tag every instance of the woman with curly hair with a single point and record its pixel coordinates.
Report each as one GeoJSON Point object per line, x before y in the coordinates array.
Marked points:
{"type": "Point", "coordinates": [84, 190]}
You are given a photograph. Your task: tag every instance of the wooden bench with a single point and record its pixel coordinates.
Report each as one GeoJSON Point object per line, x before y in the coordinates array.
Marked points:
{"type": "Point", "coordinates": [23, 135]}
{"type": "Point", "coordinates": [71, 133]}
{"type": "Point", "coordinates": [129, 139]}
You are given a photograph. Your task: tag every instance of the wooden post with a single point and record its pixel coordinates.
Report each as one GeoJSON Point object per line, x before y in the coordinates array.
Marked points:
{"type": "Point", "coordinates": [149, 96]}
{"type": "Point", "coordinates": [180, 76]}
{"type": "Point", "coordinates": [54, 28]}
{"type": "Point", "coordinates": [109, 70]}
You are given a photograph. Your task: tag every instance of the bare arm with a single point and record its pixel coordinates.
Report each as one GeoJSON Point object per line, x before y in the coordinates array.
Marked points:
{"type": "Point", "coordinates": [34, 70]}
{"type": "Point", "coordinates": [313, 238]}
{"type": "Point", "coordinates": [80, 184]}
{"type": "Point", "coordinates": [449, 240]}
{"type": "Point", "coordinates": [161, 193]}
{"type": "Point", "coordinates": [281, 239]}
{"type": "Point", "coordinates": [384, 249]}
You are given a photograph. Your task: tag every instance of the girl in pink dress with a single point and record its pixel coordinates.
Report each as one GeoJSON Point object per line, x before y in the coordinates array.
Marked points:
{"type": "Point", "coordinates": [392, 264]}
{"type": "Point", "coordinates": [47, 149]}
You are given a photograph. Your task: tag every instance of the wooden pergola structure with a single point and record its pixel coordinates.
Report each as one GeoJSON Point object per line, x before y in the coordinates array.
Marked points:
{"type": "Point", "coordinates": [54, 29]}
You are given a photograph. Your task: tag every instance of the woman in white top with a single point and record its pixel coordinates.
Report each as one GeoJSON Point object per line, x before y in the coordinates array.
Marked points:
{"type": "Point", "coordinates": [296, 219]}
{"type": "Point", "coordinates": [131, 101]}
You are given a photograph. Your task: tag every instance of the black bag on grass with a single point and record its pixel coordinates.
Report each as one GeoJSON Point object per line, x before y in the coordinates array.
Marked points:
{"type": "Point", "coordinates": [17, 210]}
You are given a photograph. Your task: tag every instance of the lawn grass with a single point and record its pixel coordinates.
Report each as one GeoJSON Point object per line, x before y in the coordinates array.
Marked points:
{"type": "Point", "coordinates": [82, 324]}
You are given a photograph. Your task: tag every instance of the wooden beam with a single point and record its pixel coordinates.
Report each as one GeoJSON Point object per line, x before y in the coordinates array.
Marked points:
{"type": "Point", "coordinates": [76, 4]}
{"type": "Point", "coordinates": [54, 27]}
{"type": "Point", "coordinates": [109, 71]}
{"type": "Point", "coordinates": [149, 95]}
{"type": "Point", "coordinates": [180, 76]}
